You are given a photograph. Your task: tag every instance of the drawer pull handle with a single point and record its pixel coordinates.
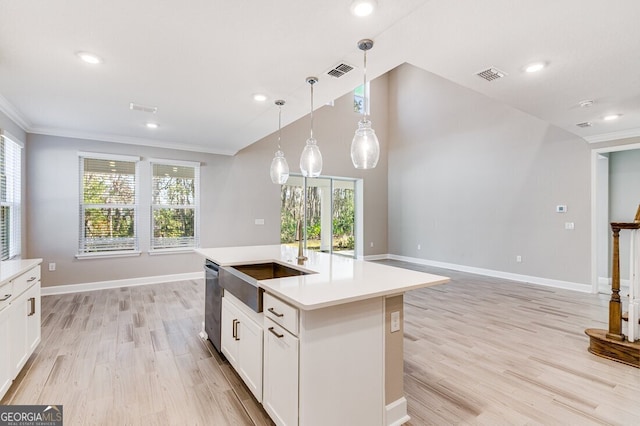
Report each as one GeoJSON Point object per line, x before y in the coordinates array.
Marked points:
{"type": "Point", "coordinates": [31, 279]}
{"type": "Point", "coordinates": [279, 315]}
{"type": "Point", "coordinates": [6, 296]}
{"type": "Point", "coordinates": [235, 329]}
{"type": "Point", "coordinates": [32, 301]}
{"type": "Point", "coordinates": [278, 335]}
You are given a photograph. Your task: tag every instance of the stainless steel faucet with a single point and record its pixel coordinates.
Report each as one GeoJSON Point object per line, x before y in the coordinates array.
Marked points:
{"type": "Point", "coordinates": [301, 257]}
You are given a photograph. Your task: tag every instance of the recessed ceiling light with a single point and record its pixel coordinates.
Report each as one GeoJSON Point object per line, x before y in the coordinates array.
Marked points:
{"type": "Point", "coordinates": [152, 125]}
{"type": "Point", "coordinates": [363, 7]}
{"type": "Point", "coordinates": [611, 117]}
{"type": "Point", "coordinates": [259, 97]}
{"type": "Point", "coordinates": [534, 67]}
{"type": "Point", "coordinates": [89, 58]}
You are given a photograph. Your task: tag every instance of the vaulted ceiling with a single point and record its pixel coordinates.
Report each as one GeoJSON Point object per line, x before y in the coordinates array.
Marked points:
{"type": "Point", "coordinates": [200, 62]}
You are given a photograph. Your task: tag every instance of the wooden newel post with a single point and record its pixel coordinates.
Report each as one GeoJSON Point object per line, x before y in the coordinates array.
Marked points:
{"type": "Point", "coordinates": [615, 307]}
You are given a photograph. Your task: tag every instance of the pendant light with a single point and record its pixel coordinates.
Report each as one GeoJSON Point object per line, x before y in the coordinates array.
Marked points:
{"type": "Point", "coordinates": [365, 149]}
{"type": "Point", "coordinates": [279, 167]}
{"type": "Point", "coordinates": [311, 158]}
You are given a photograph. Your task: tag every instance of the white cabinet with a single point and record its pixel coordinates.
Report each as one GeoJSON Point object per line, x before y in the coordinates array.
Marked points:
{"type": "Point", "coordinates": [241, 342]}
{"type": "Point", "coordinates": [19, 317]}
{"type": "Point", "coordinates": [280, 398]}
{"type": "Point", "coordinates": [327, 366]}
{"type": "Point", "coordinates": [24, 316]}
{"type": "Point", "coordinates": [6, 372]}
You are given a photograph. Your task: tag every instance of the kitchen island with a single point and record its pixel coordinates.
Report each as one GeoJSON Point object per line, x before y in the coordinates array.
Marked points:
{"type": "Point", "coordinates": [331, 349]}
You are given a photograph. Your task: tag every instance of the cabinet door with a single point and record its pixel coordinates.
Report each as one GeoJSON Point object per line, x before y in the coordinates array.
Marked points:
{"type": "Point", "coordinates": [18, 353]}
{"type": "Point", "coordinates": [33, 318]}
{"type": "Point", "coordinates": [6, 372]}
{"type": "Point", "coordinates": [280, 398]}
{"type": "Point", "coordinates": [229, 327]}
{"type": "Point", "coordinates": [250, 354]}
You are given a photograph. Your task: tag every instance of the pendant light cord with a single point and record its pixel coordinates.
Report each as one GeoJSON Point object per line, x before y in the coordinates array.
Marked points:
{"type": "Point", "coordinates": [364, 89]}
{"type": "Point", "coordinates": [311, 82]}
{"type": "Point", "coordinates": [279, 125]}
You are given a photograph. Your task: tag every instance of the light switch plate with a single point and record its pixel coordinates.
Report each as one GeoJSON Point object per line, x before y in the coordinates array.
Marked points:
{"type": "Point", "coordinates": [259, 222]}
{"type": "Point", "coordinates": [395, 321]}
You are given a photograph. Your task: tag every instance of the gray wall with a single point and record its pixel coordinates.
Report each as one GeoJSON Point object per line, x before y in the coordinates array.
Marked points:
{"type": "Point", "coordinates": [234, 192]}
{"type": "Point", "coordinates": [476, 182]}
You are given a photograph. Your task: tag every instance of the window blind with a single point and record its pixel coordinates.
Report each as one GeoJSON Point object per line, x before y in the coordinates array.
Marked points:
{"type": "Point", "coordinates": [174, 204]}
{"type": "Point", "coordinates": [10, 197]}
{"type": "Point", "coordinates": [108, 204]}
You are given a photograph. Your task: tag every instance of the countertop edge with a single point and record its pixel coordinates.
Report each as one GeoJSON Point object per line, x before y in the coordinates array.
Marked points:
{"type": "Point", "coordinates": [16, 268]}
{"type": "Point", "coordinates": [357, 298]}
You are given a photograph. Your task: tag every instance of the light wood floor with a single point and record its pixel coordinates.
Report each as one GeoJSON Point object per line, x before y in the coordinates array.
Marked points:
{"type": "Point", "coordinates": [477, 351]}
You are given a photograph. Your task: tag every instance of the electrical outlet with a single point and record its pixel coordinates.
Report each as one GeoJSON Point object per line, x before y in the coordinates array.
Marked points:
{"type": "Point", "coordinates": [395, 321]}
{"type": "Point", "coordinates": [259, 221]}
{"type": "Point", "coordinates": [519, 259]}
{"type": "Point", "coordinates": [371, 244]}
{"type": "Point", "coordinates": [419, 247]}
{"type": "Point", "coordinates": [569, 225]}
{"type": "Point", "coordinates": [52, 266]}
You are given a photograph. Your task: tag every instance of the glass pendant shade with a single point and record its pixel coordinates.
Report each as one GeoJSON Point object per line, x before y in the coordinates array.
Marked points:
{"type": "Point", "coordinates": [279, 169]}
{"type": "Point", "coordinates": [311, 159]}
{"type": "Point", "coordinates": [365, 148]}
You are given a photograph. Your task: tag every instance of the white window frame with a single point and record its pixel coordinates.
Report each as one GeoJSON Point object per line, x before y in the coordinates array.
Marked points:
{"type": "Point", "coordinates": [196, 206]}
{"type": "Point", "coordinates": [111, 253]}
{"type": "Point", "coordinates": [12, 175]}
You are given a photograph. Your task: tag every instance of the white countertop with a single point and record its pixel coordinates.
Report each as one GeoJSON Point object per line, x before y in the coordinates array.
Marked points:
{"type": "Point", "coordinates": [9, 269]}
{"type": "Point", "coordinates": [337, 279]}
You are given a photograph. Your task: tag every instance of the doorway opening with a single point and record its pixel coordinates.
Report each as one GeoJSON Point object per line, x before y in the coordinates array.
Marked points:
{"type": "Point", "coordinates": [613, 198]}
{"type": "Point", "coordinates": [330, 210]}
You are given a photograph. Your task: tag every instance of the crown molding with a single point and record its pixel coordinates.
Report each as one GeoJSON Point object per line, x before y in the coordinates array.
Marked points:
{"type": "Point", "coordinates": [127, 140]}
{"type": "Point", "coordinates": [12, 112]}
{"type": "Point", "coordinates": [605, 137]}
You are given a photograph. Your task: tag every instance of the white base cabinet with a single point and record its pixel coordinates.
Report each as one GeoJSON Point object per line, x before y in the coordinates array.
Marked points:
{"type": "Point", "coordinates": [20, 317]}
{"type": "Point", "coordinates": [280, 397]}
{"type": "Point", "coordinates": [241, 342]}
{"type": "Point", "coordinates": [6, 372]}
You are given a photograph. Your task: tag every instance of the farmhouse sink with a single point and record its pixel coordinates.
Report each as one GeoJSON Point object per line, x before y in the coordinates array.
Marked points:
{"type": "Point", "coordinates": [242, 280]}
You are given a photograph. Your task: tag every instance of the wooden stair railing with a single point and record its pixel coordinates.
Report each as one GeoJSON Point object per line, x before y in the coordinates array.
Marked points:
{"type": "Point", "coordinates": [612, 344]}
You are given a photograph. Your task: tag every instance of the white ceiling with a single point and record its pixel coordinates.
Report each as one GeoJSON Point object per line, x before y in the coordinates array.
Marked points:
{"type": "Point", "coordinates": [201, 61]}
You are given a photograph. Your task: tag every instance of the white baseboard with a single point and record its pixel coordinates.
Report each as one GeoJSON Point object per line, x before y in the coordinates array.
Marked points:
{"type": "Point", "coordinates": [604, 285]}
{"type": "Point", "coordinates": [396, 413]}
{"type": "Point", "coordinates": [376, 257]}
{"type": "Point", "coordinates": [584, 288]}
{"type": "Point", "coordinates": [129, 282]}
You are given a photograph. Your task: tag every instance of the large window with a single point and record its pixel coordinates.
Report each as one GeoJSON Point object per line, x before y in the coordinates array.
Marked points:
{"type": "Point", "coordinates": [10, 197]}
{"type": "Point", "coordinates": [326, 208]}
{"type": "Point", "coordinates": [174, 204]}
{"type": "Point", "coordinates": [108, 204]}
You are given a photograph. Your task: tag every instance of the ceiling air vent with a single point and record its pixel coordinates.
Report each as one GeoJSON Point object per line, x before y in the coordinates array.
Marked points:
{"type": "Point", "coordinates": [585, 124]}
{"type": "Point", "coordinates": [137, 107]}
{"type": "Point", "coordinates": [491, 74]}
{"type": "Point", "coordinates": [339, 70]}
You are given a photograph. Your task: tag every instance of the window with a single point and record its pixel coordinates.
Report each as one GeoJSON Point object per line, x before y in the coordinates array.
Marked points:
{"type": "Point", "coordinates": [327, 208]}
{"type": "Point", "coordinates": [108, 204]}
{"type": "Point", "coordinates": [10, 197]}
{"type": "Point", "coordinates": [174, 204]}
{"type": "Point", "coordinates": [359, 101]}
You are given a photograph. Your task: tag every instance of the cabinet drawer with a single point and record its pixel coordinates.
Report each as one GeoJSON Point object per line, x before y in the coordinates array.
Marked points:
{"type": "Point", "coordinates": [281, 313]}
{"type": "Point", "coordinates": [26, 280]}
{"type": "Point", "coordinates": [6, 291]}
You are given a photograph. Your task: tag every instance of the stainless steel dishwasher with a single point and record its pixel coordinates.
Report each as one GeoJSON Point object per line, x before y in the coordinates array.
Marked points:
{"type": "Point", "coordinates": [213, 303]}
